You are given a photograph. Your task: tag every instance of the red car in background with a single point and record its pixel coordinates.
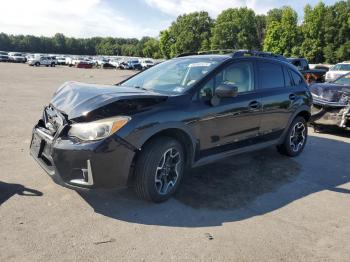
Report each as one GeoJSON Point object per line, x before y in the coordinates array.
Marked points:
{"type": "Point", "coordinates": [84, 64]}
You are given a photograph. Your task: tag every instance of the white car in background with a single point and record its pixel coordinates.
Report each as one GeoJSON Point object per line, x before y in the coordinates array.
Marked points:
{"type": "Point", "coordinates": [42, 60]}
{"type": "Point", "coordinates": [101, 61]}
{"type": "Point", "coordinates": [337, 71]}
{"type": "Point", "coordinates": [115, 62]}
{"type": "Point", "coordinates": [61, 60]}
{"type": "Point", "coordinates": [147, 63]}
{"type": "Point", "coordinates": [17, 57]}
{"type": "Point", "coordinates": [73, 61]}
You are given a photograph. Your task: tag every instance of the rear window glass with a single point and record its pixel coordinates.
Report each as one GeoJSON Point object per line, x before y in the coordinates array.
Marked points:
{"type": "Point", "coordinates": [296, 78]}
{"type": "Point", "coordinates": [270, 75]}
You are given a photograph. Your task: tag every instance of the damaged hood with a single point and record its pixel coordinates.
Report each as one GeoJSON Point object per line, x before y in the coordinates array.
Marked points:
{"type": "Point", "coordinates": [93, 101]}
{"type": "Point", "coordinates": [329, 93]}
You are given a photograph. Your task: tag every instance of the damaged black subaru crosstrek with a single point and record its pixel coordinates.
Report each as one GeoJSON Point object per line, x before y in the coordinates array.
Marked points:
{"type": "Point", "coordinates": [186, 112]}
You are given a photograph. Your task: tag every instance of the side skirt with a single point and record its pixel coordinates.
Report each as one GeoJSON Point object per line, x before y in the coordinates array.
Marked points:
{"type": "Point", "coordinates": [213, 158]}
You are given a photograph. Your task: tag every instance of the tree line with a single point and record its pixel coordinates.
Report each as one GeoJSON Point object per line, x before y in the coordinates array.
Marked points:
{"type": "Point", "coordinates": [323, 35]}
{"type": "Point", "coordinates": [60, 44]}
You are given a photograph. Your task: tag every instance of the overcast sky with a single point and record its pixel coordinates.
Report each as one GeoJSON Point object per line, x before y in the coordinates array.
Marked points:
{"type": "Point", "coordinates": [117, 18]}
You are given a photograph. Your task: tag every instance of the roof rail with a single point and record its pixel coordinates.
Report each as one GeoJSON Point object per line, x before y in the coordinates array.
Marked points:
{"type": "Point", "coordinates": [240, 53]}
{"type": "Point", "coordinates": [217, 51]}
{"type": "Point", "coordinates": [237, 53]}
{"type": "Point", "coordinates": [208, 52]}
{"type": "Point", "coordinates": [187, 54]}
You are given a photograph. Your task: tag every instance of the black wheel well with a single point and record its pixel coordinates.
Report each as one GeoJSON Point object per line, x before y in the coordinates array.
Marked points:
{"type": "Point", "coordinates": [305, 114]}
{"type": "Point", "coordinates": [181, 136]}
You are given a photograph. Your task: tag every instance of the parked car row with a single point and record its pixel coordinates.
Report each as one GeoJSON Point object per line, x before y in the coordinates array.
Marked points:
{"type": "Point", "coordinates": [317, 73]}
{"type": "Point", "coordinates": [105, 62]}
{"type": "Point", "coordinates": [14, 57]}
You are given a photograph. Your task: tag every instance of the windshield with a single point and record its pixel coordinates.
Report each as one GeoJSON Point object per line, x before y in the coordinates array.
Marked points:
{"type": "Point", "coordinates": [173, 76]}
{"type": "Point", "coordinates": [341, 67]}
{"type": "Point", "coordinates": [344, 80]}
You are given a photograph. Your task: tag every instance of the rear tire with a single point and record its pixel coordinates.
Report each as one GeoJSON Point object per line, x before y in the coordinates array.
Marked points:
{"type": "Point", "coordinates": [295, 139]}
{"type": "Point", "coordinates": [37, 64]}
{"type": "Point", "coordinates": [159, 169]}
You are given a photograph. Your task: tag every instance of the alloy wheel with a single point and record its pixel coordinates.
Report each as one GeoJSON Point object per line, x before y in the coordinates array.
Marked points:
{"type": "Point", "coordinates": [297, 137]}
{"type": "Point", "coordinates": [167, 172]}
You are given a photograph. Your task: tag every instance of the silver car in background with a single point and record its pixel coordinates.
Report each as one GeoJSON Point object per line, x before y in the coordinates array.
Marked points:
{"type": "Point", "coordinates": [337, 71]}
{"type": "Point", "coordinates": [17, 57]}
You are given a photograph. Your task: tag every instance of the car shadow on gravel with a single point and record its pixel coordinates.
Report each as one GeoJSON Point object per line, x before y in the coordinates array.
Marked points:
{"type": "Point", "coordinates": [237, 188]}
{"type": "Point", "coordinates": [8, 190]}
{"type": "Point", "coordinates": [333, 130]}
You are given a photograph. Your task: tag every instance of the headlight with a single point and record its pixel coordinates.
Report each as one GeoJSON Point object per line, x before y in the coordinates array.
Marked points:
{"type": "Point", "coordinates": [98, 129]}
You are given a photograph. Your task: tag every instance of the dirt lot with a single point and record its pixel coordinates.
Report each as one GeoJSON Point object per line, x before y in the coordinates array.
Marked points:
{"type": "Point", "coordinates": [254, 207]}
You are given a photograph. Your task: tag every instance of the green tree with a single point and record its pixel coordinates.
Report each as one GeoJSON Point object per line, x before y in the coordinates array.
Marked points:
{"type": "Point", "coordinates": [235, 28]}
{"type": "Point", "coordinates": [261, 29]}
{"type": "Point", "coordinates": [165, 43]}
{"type": "Point", "coordinates": [59, 43]}
{"type": "Point", "coordinates": [274, 15]}
{"type": "Point", "coordinates": [336, 32]}
{"type": "Point", "coordinates": [313, 32]}
{"type": "Point", "coordinates": [187, 34]}
{"type": "Point", "coordinates": [151, 48]}
{"type": "Point", "coordinates": [282, 35]}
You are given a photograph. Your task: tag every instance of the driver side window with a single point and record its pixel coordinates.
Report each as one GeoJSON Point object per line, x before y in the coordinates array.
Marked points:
{"type": "Point", "coordinates": [239, 74]}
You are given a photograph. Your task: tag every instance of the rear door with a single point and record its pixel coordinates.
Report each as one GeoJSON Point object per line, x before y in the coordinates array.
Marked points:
{"type": "Point", "coordinates": [276, 98]}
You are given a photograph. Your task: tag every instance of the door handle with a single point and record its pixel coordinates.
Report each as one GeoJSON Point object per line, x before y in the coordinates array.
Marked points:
{"type": "Point", "coordinates": [254, 105]}
{"type": "Point", "coordinates": [292, 97]}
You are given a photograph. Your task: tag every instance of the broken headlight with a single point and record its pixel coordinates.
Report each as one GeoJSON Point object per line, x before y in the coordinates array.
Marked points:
{"type": "Point", "coordinates": [98, 129]}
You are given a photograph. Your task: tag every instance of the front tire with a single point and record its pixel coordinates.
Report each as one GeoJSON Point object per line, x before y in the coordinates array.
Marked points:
{"type": "Point", "coordinates": [159, 169]}
{"type": "Point", "coordinates": [296, 138]}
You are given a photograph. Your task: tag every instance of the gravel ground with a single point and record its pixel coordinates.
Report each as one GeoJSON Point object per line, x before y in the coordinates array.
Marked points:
{"type": "Point", "coordinates": [254, 207]}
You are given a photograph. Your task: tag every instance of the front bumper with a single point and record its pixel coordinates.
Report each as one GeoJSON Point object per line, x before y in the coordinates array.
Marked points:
{"type": "Point", "coordinates": [330, 113]}
{"type": "Point", "coordinates": [100, 164]}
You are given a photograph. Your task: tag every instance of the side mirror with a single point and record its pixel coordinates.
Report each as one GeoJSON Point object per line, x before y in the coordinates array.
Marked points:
{"type": "Point", "coordinates": [226, 90]}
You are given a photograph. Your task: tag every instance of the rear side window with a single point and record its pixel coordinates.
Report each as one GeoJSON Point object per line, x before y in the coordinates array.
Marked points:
{"type": "Point", "coordinates": [304, 63]}
{"type": "Point", "coordinates": [288, 78]}
{"type": "Point", "coordinates": [298, 80]}
{"type": "Point", "coordinates": [270, 75]}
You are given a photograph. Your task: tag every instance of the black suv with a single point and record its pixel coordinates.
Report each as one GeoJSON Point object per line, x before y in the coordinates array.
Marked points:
{"type": "Point", "coordinates": [186, 112]}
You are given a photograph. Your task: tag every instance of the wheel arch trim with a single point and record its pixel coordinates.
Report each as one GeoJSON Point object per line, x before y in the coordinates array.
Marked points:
{"type": "Point", "coordinates": [300, 111]}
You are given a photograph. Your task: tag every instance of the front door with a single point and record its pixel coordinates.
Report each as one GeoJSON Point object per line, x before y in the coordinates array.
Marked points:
{"type": "Point", "coordinates": [234, 121]}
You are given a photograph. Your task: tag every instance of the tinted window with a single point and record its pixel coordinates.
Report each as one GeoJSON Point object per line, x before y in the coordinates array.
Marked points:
{"type": "Point", "coordinates": [270, 75]}
{"type": "Point", "coordinates": [288, 78]}
{"type": "Point", "coordinates": [296, 63]}
{"type": "Point", "coordinates": [303, 63]}
{"type": "Point", "coordinates": [296, 78]}
{"type": "Point", "coordinates": [238, 74]}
